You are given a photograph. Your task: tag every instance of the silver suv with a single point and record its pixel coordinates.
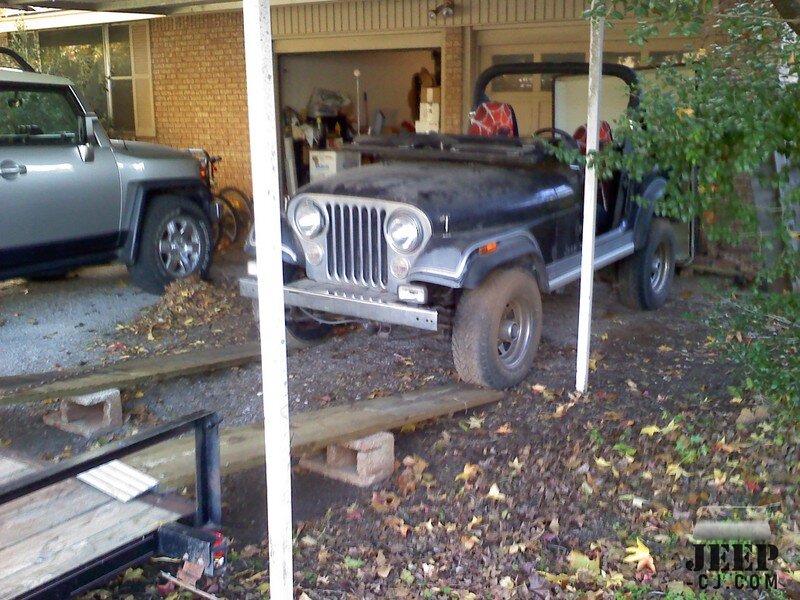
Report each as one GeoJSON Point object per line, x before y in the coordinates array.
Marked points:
{"type": "Point", "coordinates": [71, 196]}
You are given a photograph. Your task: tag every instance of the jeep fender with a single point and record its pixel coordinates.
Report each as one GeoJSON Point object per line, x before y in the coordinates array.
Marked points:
{"type": "Point", "coordinates": [291, 250]}
{"type": "Point", "coordinates": [458, 263]}
{"type": "Point", "coordinates": [133, 215]}
{"type": "Point", "coordinates": [652, 190]}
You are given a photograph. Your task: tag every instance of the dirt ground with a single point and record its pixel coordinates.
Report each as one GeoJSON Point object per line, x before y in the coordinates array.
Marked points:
{"type": "Point", "coordinates": [538, 495]}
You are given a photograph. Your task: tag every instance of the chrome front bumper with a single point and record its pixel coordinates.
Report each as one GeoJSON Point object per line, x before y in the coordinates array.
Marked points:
{"type": "Point", "coordinates": [350, 302]}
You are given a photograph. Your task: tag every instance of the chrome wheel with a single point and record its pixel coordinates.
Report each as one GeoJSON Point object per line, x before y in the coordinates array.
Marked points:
{"type": "Point", "coordinates": [660, 268]}
{"type": "Point", "coordinates": [514, 333]}
{"type": "Point", "coordinates": [179, 247]}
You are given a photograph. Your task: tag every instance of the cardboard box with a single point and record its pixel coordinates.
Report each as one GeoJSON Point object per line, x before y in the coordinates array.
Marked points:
{"type": "Point", "coordinates": [324, 163]}
{"type": "Point", "coordinates": [431, 95]}
{"type": "Point", "coordinates": [426, 127]}
{"type": "Point", "coordinates": [429, 111]}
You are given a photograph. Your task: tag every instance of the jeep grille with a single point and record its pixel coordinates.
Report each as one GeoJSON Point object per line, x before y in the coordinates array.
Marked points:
{"type": "Point", "coordinates": [356, 246]}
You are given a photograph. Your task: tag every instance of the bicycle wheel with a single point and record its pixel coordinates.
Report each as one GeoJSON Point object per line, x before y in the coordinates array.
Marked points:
{"type": "Point", "coordinates": [242, 203]}
{"type": "Point", "coordinates": [226, 229]}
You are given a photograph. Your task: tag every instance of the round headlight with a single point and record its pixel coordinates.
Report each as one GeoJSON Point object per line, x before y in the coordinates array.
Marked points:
{"type": "Point", "coordinates": [404, 232]}
{"type": "Point", "coordinates": [309, 219]}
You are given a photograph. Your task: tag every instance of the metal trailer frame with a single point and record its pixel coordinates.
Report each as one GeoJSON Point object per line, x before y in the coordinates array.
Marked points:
{"type": "Point", "coordinates": [208, 505]}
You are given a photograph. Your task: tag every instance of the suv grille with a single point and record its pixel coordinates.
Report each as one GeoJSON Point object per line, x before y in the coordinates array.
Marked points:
{"type": "Point", "coordinates": [356, 246]}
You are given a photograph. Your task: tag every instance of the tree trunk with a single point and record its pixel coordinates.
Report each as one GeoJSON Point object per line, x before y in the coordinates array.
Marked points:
{"type": "Point", "coordinates": [789, 10]}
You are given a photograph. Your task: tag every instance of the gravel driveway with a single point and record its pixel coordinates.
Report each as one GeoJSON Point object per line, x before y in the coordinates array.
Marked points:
{"type": "Point", "coordinates": [50, 325]}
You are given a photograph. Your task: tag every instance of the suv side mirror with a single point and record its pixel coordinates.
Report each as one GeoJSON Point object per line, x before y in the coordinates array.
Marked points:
{"type": "Point", "coordinates": [86, 137]}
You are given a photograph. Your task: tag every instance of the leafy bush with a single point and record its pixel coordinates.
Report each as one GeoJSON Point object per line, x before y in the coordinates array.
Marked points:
{"type": "Point", "coordinates": [760, 333]}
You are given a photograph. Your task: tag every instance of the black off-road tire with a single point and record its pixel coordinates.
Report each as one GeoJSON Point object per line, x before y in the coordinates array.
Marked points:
{"type": "Point", "coordinates": [299, 336]}
{"type": "Point", "coordinates": [645, 278]}
{"type": "Point", "coordinates": [477, 342]}
{"type": "Point", "coordinates": [149, 271]}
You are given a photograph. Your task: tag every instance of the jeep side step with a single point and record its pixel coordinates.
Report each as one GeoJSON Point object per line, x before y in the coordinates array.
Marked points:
{"type": "Point", "coordinates": [608, 249]}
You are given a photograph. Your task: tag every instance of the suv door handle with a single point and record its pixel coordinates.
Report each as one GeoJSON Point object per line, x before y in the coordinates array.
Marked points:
{"type": "Point", "coordinates": [9, 169]}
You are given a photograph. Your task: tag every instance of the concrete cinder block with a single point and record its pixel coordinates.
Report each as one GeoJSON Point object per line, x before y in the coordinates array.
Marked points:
{"type": "Point", "coordinates": [88, 415]}
{"type": "Point", "coordinates": [360, 462]}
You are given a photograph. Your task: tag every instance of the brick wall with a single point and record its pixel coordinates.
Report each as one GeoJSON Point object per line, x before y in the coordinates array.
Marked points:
{"type": "Point", "coordinates": [200, 91]}
{"type": "Point", "coordinates": [452, 79]}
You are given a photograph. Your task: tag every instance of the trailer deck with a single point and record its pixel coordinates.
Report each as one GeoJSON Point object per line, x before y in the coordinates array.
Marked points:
{"type": "Point", "coordinates": [60, 536]}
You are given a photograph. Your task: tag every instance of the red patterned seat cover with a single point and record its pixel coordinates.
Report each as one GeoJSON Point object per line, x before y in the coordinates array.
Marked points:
{"type": "Point", "coordinates": [604, 135]}
{"type": "Point", "coordinates": [493, 119]}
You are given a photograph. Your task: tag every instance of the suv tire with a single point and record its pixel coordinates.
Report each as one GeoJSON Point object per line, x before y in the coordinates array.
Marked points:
{"type": "Point", "coordinates": [497, 329]}
{"type": "Point", "coordinates": [645, 278]}
{"type": "Point", "coordinates": [175, 243]}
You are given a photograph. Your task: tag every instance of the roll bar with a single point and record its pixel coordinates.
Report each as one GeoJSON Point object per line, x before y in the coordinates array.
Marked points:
{"type": "Point", "coordinates": [23, 64]}
{"type": "Point", "coordinates": [627, 75]}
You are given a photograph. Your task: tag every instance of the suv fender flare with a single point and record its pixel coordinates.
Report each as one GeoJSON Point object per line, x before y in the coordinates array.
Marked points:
{"type": "Point", "coordinates": [468, 267]}
{"type": "Point", "coordinates": [133, 217]}
{"type": "Point", "coordinates": [653, 189]}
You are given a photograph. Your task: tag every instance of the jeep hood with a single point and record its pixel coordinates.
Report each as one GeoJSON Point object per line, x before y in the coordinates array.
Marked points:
{"type": "Point", "coordinates": [147, 151]}
{"type": "Point", "coordinates": [465, 195]}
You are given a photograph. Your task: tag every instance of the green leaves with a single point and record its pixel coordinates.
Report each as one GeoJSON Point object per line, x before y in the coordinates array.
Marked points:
{"type": "Point", "coordinates": [712, 123]}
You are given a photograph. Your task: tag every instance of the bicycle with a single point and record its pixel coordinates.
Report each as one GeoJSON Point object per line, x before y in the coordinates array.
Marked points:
{"type": "Point", "coordinates": [229, 223]}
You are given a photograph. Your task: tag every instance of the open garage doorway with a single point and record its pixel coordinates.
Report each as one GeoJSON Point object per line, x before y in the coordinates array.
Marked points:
{"type": "Point", "coordinates": [386, 82]}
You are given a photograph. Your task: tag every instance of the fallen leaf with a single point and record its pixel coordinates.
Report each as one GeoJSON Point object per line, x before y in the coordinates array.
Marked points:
{"type": "Point", "coordinates": [677, 471]}
{"type": "Point", "coordinates": [495, 494]}
{"type": "Point", "coordinates": [383, 571]}
{"type": "Point", "coordinates": [470, 541]}
{"type": "Point", "coordinates": [640, 554]}
{"type": "Point", "coordinates": [504, 429]}
{"type": "Point", "coordinates": [133, 575]}
{"type": "Point", "coordinates": [385, 501]}
{"type": "Point", "coordinates": [578, 561]}
{"type": "Point", "coordinates": [670, 427]}
{"type": "Point", "coordinates": [601, 462]}
{"type": "Point", "coordinates": [650, 430]}
{"type": "Point", "coordinates": [469, 473]}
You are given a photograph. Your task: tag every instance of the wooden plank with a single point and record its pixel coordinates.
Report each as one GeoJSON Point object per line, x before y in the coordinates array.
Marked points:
{"type": "Point", "coordinates": [9, 468]}
{"type": "Point", "coordinates": [28, 516]}
{"type": "Point", "coordinates": [243, 447]}
{"type": "Point", "coordinates": [28, 388]}
{"type": "Point", "coordinates": [67, 546]}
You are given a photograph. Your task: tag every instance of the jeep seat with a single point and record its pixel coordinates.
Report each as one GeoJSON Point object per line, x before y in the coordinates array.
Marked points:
{"type": "Point", "coordinates": [604, 135]}
{"type": "Point", "coordinates": [605, 187]}
{"type": "Point", "coordinates": [494, 119]}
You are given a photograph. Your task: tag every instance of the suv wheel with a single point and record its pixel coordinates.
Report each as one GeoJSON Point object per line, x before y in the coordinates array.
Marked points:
{"type": "Point", "coordinates": [175, 242]}
{"type": "Point", "coordinates": [645, 279]}
{"type": "Point", "coordinates": [497, 329]}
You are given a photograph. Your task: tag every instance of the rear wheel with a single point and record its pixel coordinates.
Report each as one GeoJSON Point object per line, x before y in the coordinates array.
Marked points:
{"type": "Point", "coordinates": [225, 230]}
{"type": "Point", "coordinates": [497, 329]}
{"type": "Point", "coordinates": [175, 243]}
{"type": "Point", "coordinates": [645, 278]}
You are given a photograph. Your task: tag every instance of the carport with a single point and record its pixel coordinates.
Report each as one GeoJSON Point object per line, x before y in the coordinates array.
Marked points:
{"type": "Point", "coordinates": [266, 186]}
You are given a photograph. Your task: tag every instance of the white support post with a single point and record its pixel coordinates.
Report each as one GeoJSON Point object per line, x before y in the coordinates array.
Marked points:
{"type": "Point", "coordinates": [589, 204]}
{"type": "Point", "coordinates": [266, 192]}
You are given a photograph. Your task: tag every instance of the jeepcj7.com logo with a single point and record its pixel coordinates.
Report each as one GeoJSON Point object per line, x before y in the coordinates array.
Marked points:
{"type": "Point", "coordinates": [732, 549]}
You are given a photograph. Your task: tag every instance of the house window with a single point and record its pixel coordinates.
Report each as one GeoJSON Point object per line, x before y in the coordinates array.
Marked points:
{"type": "Point", "coordinates": [98, 60]}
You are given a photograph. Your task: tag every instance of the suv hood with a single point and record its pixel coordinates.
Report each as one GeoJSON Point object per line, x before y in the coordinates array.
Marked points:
{"type": "Point", "coordinates": [468, 195]}
{"type": "Point", "coordinates": [147, 151]}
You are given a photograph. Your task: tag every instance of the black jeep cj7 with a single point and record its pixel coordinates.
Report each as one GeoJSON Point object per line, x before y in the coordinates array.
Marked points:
{"type": "Point", "coordinates": [470, 230]}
